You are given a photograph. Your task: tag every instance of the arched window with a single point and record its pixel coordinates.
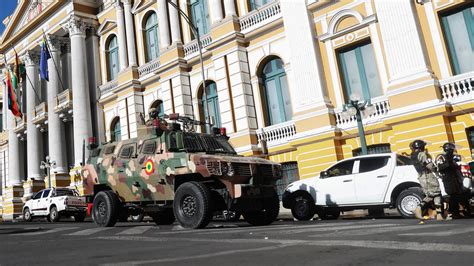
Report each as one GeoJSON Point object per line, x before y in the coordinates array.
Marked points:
{"type": "Point", "coordinates": [112, 58]}
{"type": "Point", "coordinates": [211, 113]}
{"type": "Point", "coordinates": [151, 37]}
{"type": "Point", "coordinates": [276, 94]}
{"type": "Point", "coordinates": [200, 15]}
{"type": "Point", "coordinates": [254, 4]}
{"type": "Point", "coordinates": [115, 130]}
{"type": "Point", "coordinates": [158, 104]}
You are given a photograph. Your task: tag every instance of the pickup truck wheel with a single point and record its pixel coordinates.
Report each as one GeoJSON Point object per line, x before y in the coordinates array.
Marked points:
{"type": "Point", "coordinates": [408, 200]}
{"type": "Point", "coordinates": [27, 215]}
{"type": "Point", "coordinates": [80, 217]}
{"type": "Point", "coordinates": [329, 214]}
{"type": "Point", "coordinates": [303, 208]}
{"type": "Point", "coordinates": [106, 208]}
{"type": "Point", "coordinates": [192, 205]}
{"type": "Point", "coordinates": [163, 217]}
{"type": "Point", "coordinates": [271, 208]}
{"type": "Point", "coordinates": [138, 218]}
{"type": "Point", "coordinates": [53, 214]}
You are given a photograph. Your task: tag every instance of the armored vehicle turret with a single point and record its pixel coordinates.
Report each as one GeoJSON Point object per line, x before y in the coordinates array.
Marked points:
{"type": "Point", "coordinates": [171, 172]}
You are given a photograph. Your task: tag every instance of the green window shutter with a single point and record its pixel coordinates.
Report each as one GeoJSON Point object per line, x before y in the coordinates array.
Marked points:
{"type": "Point", "coordinates": [212, 103]}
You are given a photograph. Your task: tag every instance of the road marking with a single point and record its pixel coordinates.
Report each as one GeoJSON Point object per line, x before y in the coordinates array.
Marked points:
{"type": "Point", "coordinates": [373, 231]}
{"type": "Point", "coordinates": [442, 233]}
{"type": "Point", "coordinates": [344, 228]}
{"type": "Point", "coordinates": [137, 230]}
{"type": "Point", "coordinates": [89, 232]}
{"type": "Point", "coordinates": [54, 230]}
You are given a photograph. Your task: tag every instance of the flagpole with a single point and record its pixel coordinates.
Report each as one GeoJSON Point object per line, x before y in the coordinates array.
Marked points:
{"type": "Point", "coordinates": [54, 61]}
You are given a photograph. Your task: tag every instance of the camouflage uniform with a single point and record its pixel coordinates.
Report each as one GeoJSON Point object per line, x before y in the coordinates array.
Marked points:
{"type": "Point", "coordinates": [428, 181]}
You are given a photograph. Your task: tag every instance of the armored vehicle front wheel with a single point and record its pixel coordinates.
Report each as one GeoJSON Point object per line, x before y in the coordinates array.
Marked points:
{"type": "Point", "coordinates": [266, 216]}
{"type": "Point", "coordinates": [192, 205]}
{"type": "Point", "coordinates": [105, 209]}
{"type": "Point", "coordinates": [163, 217]}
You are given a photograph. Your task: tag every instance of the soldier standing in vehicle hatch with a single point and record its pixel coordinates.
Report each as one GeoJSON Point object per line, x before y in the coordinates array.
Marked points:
{"type": "Point", "coordinates": [428, 181]}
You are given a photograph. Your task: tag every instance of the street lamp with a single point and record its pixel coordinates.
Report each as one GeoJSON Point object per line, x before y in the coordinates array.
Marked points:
{"type": "Point", "coordinates": [47, 164]}
{"type": "Point", "coordinates": [195, 32]}
{"type": "Point", "coordinates": [356, 106]}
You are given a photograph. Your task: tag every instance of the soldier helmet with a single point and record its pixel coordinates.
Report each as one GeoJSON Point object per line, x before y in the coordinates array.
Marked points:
{"type": "Point", "coordinates": [449, 147]}
{"type": "Point", "coordinates": [419, 144]}
{"type": "Point", "coordinates": [153, 112]}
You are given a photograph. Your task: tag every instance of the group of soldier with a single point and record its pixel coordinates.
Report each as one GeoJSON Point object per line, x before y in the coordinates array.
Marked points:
{"type": "Point", "coordinates": [455, 201]}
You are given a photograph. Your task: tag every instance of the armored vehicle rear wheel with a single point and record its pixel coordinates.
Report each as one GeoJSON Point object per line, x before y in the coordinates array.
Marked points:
{"type": "Point", "coordinates": [266, 216]}
{"type": "Point", "coordinates": [105, 209]}
{"type": "Point", "coordinates": [163, 217]}
{"type": "Point", "coordinates": [192, 205]}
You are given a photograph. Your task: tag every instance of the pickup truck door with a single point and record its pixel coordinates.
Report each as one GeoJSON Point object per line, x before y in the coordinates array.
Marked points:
{"type": "Point", "coordinates": [338, 187]}
{"type": "Point", "coordinates": [372, 179]}
{"type": "Point", "coordinates": [43, 203]}
{"type": "Point", "coordinates": [34, 203]}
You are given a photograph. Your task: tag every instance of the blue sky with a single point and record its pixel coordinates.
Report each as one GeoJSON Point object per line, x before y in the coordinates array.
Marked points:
{"type": "Point", "coordinates": [7, 8]}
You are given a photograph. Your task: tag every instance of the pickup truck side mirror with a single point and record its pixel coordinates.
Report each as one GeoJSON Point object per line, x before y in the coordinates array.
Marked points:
{"type": "Point", "coordinates": [324, 174]}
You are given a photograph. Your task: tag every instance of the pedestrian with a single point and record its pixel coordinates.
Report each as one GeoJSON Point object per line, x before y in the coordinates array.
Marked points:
{"type": "Point", "coordinates": [431, 205]}
{"type": "Point", "coordinates": [450, 173]}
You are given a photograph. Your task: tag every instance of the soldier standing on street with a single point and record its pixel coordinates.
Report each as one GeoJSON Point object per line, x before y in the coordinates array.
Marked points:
{"type": "Point", "coordinates": [428, 181]}
{"type": "Point", "coordinates": [452, 180]}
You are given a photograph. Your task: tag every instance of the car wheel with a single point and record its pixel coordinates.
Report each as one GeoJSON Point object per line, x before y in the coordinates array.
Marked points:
{"type": "Point", "coordinates": [192, 205]}
{"type": "Point", "coordinates": [27, 215]}
{"type": "Point", "coordinates": [266, 216]}
{"type": "Point", "coordinates": [329, 213]}
{"type": "Point", "coordinates": [303, 208]}
{"type": "Point", "coordinates": [163, 217]}
{"type": "Point", "coordinates": [106, 208]}
{"type": "Point", "coordinates": [80, 217]}
{"type": "Point", "coordinates": [408, 200]}
{"type": "Point", "coordinates": [138, 218]}
{"type": "Point", "coordinates": [53, 214]}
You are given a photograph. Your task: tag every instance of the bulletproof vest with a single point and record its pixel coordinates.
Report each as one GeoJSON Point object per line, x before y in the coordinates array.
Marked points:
{"type": "Point", "coordinates": [419, 166]}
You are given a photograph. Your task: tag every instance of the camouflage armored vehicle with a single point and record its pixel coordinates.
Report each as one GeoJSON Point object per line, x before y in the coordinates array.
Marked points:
{"type": "Point", "coordinates": [173, 173]}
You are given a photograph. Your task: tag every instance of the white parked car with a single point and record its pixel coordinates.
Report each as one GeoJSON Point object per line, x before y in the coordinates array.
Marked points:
{"type": "Point", "coordinates": [54, 203]}
{"type": "Point", "coordinates": [369, 182]}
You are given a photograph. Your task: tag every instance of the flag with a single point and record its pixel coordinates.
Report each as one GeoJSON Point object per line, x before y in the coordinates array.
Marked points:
{"type": "Point", "coordinates": [44, 56]}
{"type": "Point", "coordinates": [12, 84]}
{"type": "Point", "coordinates": [19, 68]}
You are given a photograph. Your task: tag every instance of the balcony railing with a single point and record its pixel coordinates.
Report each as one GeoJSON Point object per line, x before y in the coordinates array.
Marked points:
{"type": "Point", "coordinates": [382, 107]}
{"type": "Point", "coordinates": [277, 134]}
{"type": "Point", "coordinates": [149, 67]}
{"type": "Point", "coordinates": [63, 101]}
{"type": "Point", "coordinates": [108, 87]}
{"type": "Point", "coordinates": [41, 114]}
{"type": "Point", "coordinates": [191, 48]}
{"type": "Point", "coordinates": [20, 127]}
{"type": "Point", "coordinates": [260, 17]}
{"type": "Point", "coordinates": [458, 88]}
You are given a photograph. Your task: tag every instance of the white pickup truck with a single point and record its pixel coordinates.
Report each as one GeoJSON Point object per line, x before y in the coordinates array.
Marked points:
{"type": "Point", "coordinates": [54, 203]}
{"type": "Point", "coordinates": [369, 182]}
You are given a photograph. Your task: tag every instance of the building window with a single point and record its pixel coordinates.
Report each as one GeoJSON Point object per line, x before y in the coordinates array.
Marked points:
{"type": "Point", "coordinates": [276, 93]}
{"type": "Point", "coordinates": [470, 138]}
{"type": "Point", "coordinates": [151, 37]}
{"type": "Point", "coordinates": [254, 4]}
{"type": "Point", "coordinates": [200, 15]}
{"type": "Point", "coordinates": [115, 134]}
{"type": "Point", "coordinates": [290, 174]}
{"type": "Point", "coordinates": [158, 105]}
{"type": "Point", "coordinates": [459, 33]}
{"type": "Point", "coordinates": [373, 149]}
{"type": "Point", "coordinates": [212, 105]}
{"type": "Point", "coordinates": [359, 72]}
{"type": "Point", "coordinates": [112, 58]}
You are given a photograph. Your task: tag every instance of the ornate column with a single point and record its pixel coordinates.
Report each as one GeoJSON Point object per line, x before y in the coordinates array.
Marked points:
{"type": "Point", "coordinates": [215, 8]}
{"type": "Point", "coordinates": [80, 89]}
{"type": "Point", "coordinates": [174, 22]}
{"type": "Point", "coordinates": [132, 49]}
{"type": "Point", "coordinates": [163, 24]}
{"type": "Point", "coordinates": [56, 135]}
{"type": "Point", "coordinates": [122, 40]}
{"type": "Point", "coordinates": [34, 140]}
{"type": "Point", "coordinates": [13, 146]}
{"type": "Point", "coordinates": [229, 7]}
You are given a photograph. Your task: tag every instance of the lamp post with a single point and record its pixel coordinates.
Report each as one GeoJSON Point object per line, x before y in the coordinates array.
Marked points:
{"type": "Point", "coordinates": [195, 32]}
{"type": "Point", "coordinates": [46, 164]}
{"type": "Point", "coordinates": [358, 107]}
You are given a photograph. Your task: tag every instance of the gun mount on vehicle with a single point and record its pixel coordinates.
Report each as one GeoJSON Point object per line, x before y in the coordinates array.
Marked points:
{"type": "Point", "coordinates": [171, 172]}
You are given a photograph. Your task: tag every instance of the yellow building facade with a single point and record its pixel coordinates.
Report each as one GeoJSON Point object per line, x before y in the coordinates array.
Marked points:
{"type": "Point", "coordinates": [278, 75]}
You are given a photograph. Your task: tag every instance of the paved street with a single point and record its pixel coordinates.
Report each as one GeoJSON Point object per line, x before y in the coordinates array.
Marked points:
{"type": "Point", "coordinates": [355, 241]}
